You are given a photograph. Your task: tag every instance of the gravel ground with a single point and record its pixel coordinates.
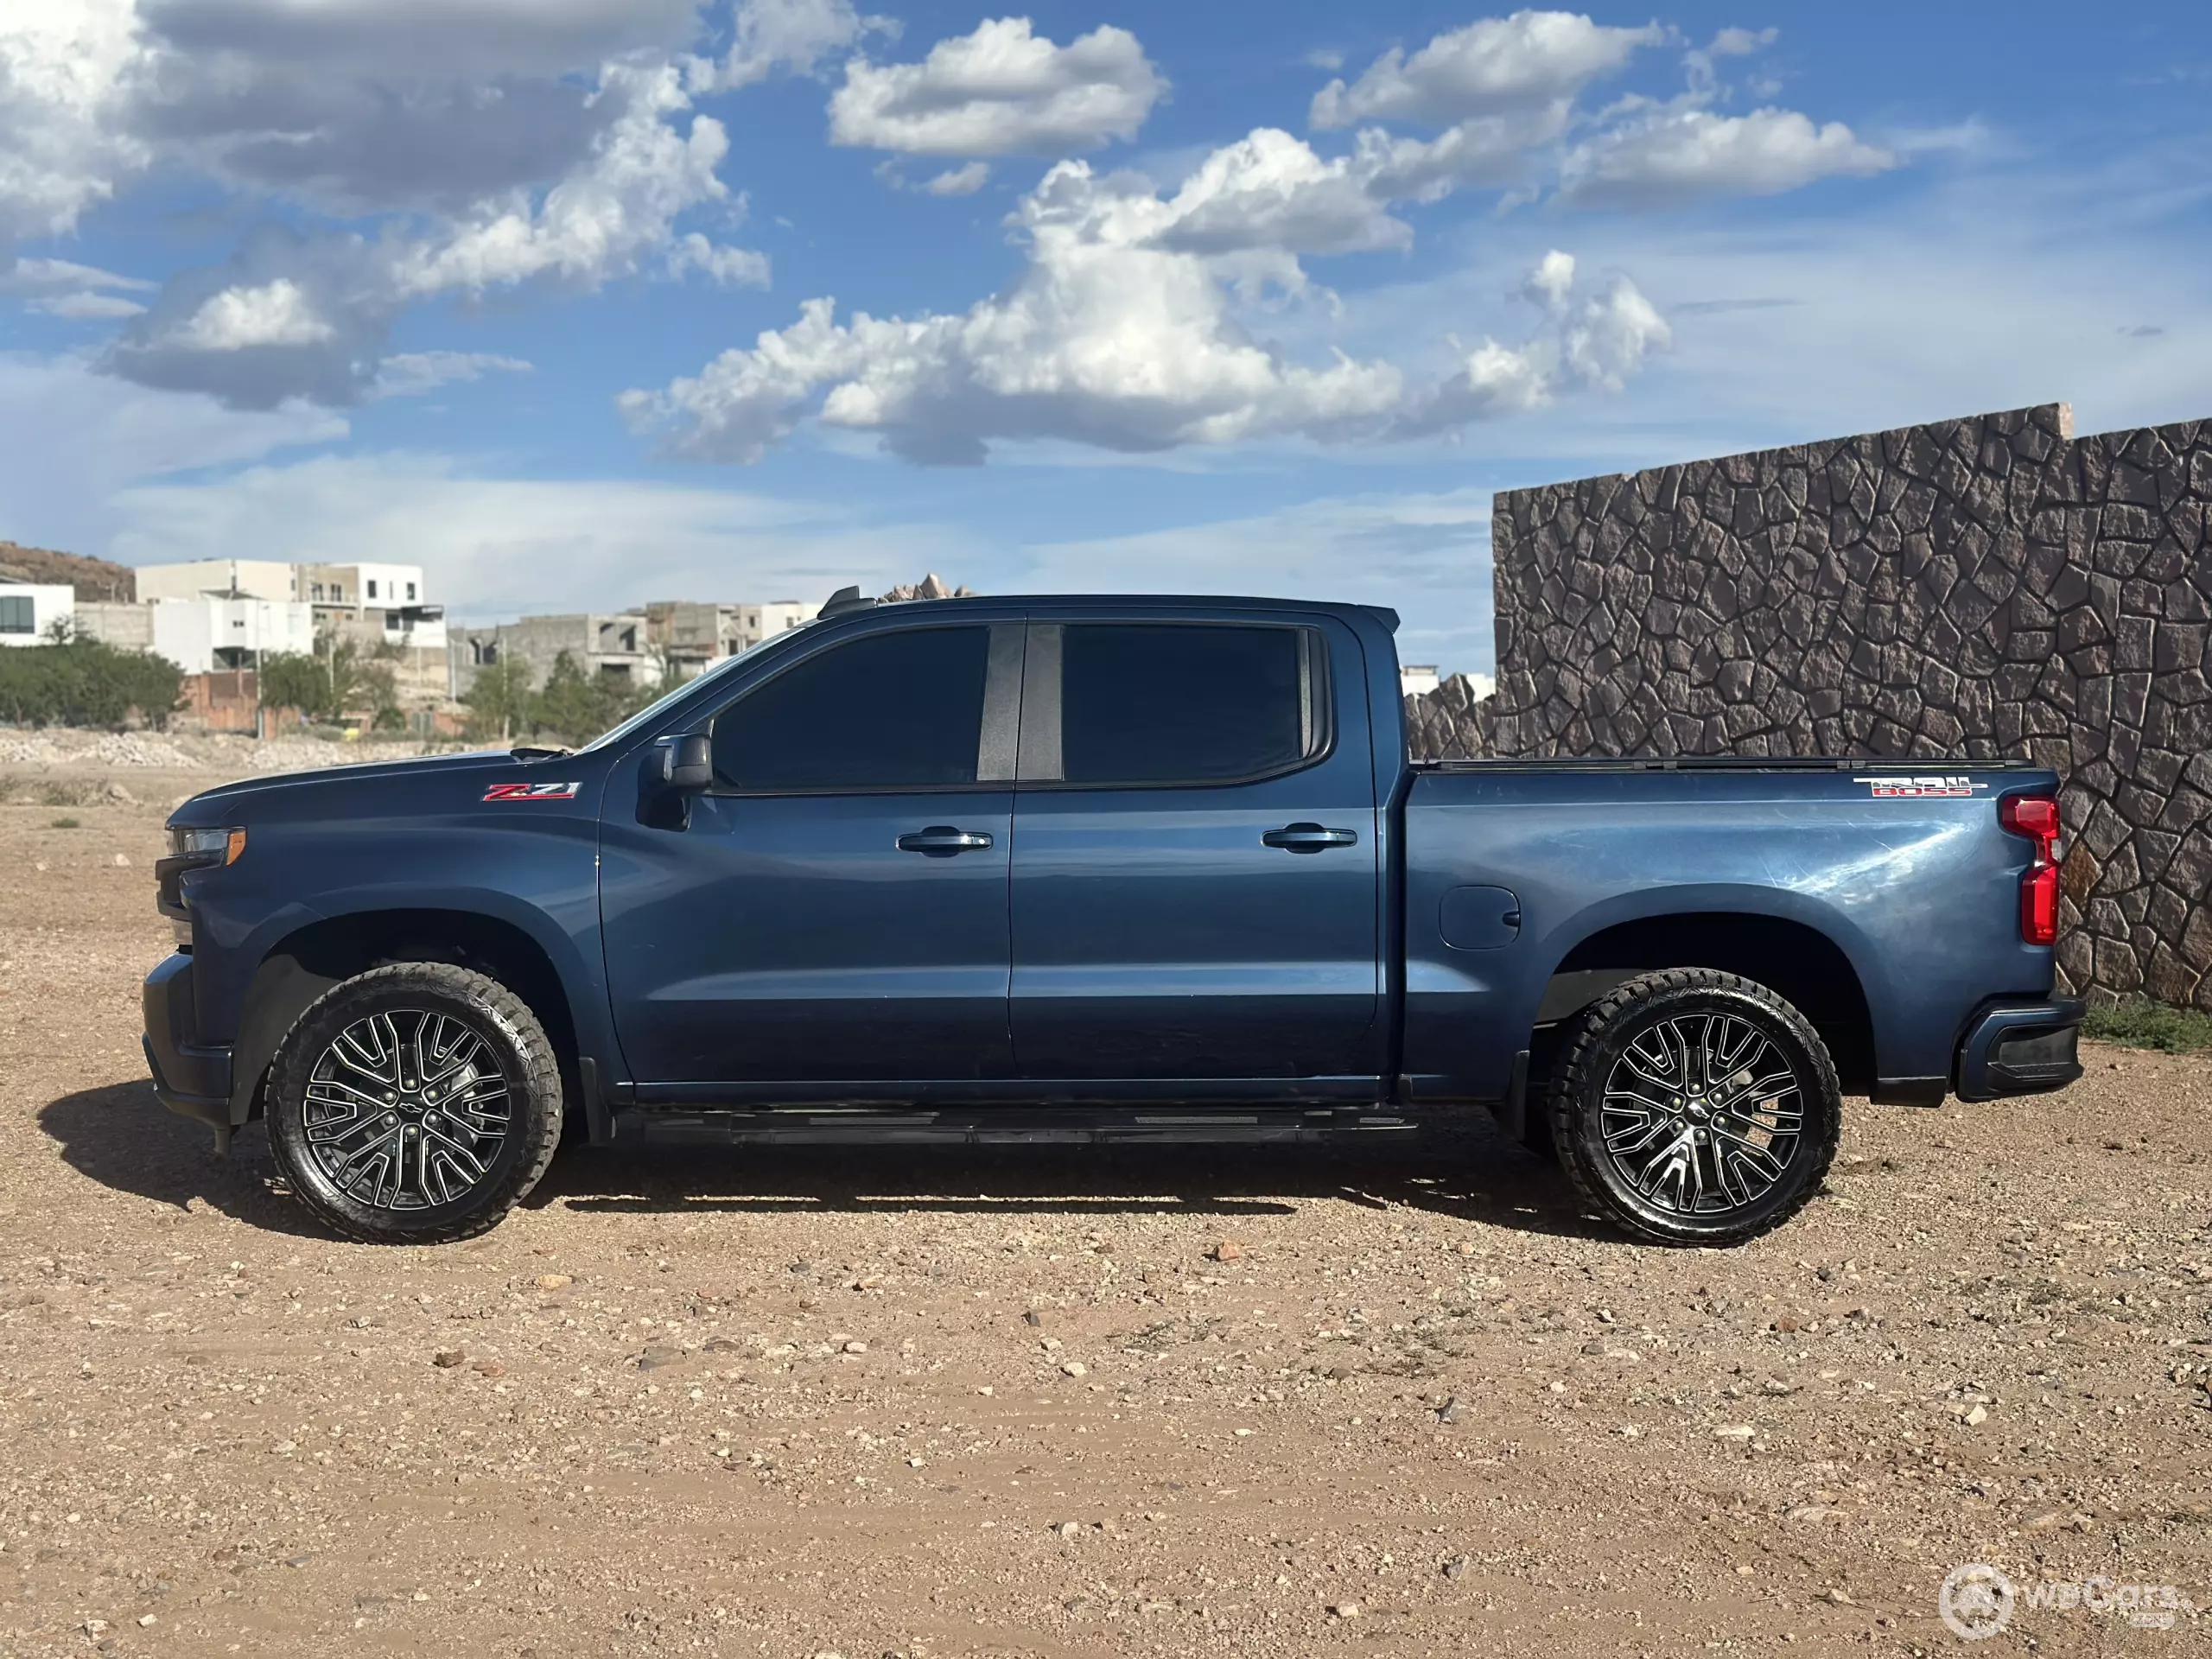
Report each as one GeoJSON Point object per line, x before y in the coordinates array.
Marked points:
{"type": "Point", "coordinates": [1396, 1398]}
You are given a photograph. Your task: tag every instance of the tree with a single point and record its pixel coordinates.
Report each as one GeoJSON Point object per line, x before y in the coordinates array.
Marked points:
{"type": "Point", "coordinates": [499, 700]}
{"type": "Point", "coordinates": [86, 684]}
{"type": "Point", "coordinates": [338, 680]}
{"type": "Point", "coordinates": [289, 680]}
{"type": "Point", "coordinates": [570, 707]}
{"type": "Point", "coordinates": [357, 682]}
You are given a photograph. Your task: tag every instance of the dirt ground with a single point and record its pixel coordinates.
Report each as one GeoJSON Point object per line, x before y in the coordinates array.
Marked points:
{"type": "Point", "coordinates": [1395, 1399]}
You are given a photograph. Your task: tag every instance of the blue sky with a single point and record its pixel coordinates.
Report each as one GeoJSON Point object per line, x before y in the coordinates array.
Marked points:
{"type": "Point", "coordinates": [588, 303]}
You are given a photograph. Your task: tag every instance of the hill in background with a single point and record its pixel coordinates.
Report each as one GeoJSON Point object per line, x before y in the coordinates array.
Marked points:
{"type": "Point", "coordinates": [91, 578]}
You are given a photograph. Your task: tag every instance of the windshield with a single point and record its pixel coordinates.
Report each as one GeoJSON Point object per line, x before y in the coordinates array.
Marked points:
{"type": "Point", "coordinates": [658, 706]}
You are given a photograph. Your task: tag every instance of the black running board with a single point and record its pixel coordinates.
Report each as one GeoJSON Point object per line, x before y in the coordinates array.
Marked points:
{"type": "Point", "coordinates": [992, 1125]}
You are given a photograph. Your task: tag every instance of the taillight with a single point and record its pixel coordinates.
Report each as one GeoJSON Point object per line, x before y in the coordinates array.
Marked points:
{"type": "Point", "coordinates": [2035, 816]}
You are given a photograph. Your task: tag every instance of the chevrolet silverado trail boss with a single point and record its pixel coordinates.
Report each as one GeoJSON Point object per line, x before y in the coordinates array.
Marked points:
{"type": "Point", "coordinates": [1040, 869]}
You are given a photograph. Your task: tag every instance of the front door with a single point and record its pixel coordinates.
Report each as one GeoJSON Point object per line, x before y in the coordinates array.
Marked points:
{"type": "Point", "coordinates": [1196, 887]}
{"type": "Point", "coordinates": [837, 907]}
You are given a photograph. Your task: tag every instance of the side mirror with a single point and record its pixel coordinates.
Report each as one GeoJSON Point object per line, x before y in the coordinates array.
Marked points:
{"type": "Point", "coordinates": [687, 763]}
{"type": "Point", "coordinates": [675, 769]}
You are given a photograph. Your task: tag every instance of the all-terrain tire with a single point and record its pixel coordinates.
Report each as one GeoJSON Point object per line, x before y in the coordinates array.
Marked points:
{"type": "Point", "coordinates": [1763, 1141]}
{"type": "Point", "coordinates": [426, 1155]}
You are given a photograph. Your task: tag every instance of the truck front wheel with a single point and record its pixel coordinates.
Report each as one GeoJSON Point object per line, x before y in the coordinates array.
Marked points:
{"type": "Point", "coordinates": [415, 1104]}
{"type": "Point", "coordinates": [1694, 1106]}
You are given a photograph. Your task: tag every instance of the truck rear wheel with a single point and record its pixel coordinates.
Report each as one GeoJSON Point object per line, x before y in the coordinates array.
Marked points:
{"type": "Point", "coordinates": [415, 1104]}
{"type": "Point", "coordinates": [1694, 1106]}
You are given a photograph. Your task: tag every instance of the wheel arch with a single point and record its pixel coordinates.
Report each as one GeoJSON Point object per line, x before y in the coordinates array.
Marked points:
{"type": "Point", "coordinates": [301, 966]}
{"type": "Point", "coordinates": [1792, 955]}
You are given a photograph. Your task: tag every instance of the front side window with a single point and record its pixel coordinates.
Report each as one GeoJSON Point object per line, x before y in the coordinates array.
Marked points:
{"type": "Point", "coordinates": [1180, 703]}
{"type": "Point", "coordinates": [890, 711]}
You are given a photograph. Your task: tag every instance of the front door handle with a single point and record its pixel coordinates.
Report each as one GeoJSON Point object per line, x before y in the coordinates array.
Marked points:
{"type": "Point", "coordinates": [1309, 838]}
{"type": "Point", "coordinates": [942, 841]}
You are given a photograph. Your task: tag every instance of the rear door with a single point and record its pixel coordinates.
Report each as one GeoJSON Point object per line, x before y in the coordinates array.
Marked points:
{"type": "Point", "coordinates": [1195, 875]}
{"type": "Point", "coordinates": [836, 907]}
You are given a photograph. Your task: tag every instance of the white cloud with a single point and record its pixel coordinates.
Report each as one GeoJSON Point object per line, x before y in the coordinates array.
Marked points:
{"type": "Point", "coordinates": [59, 288]}
{"type": "Point", "coordinates": [960, 180]}
{"type": "Point", "coordinates": [1124, 332]}
{"type": "Point", "coordinates": [1482, 150]}
{"type": "Point", "coordinates": [796, 35]}
{"type": "Point", "coordinates": [85, 307]}
{"type": "Point", "coordinates": [1595, 344]}
{"type": "Point", "coordinates": [290, 315]}
{"type": "Point", "coordinates": [407, 374]}
{"type": "Point", "coordinates": [355, 106]}
{"type": "Point", "coordinates": [492, 143]}
{"type": "Point", "coordinates": [239, 319]}
{"type": "Point", "coordinates": [1102, 340]}
{"type": "Point", "coordinates": [600, 220]}
{"type": "Point", "coordinates": [1267, 190]}
{"type": "Point", "coordinates": [70, 438]}
{"type": "Point", "coordinates": [503, 546]}
{"type": "Point", "coordinates": [295, 314]}
{"type": "Point", "coordinates": [1679, 155]}
{"type": "Point", "coordinates": [1003, 90]}
{"type": "Point", "coordinates": [1529, 59]}
{"type": "Point", "coordinates": [1701, 65]}
{"type": "Point", "coordinates": [63, 148]}
{"type": "Point", "coordinates": [725, 267]}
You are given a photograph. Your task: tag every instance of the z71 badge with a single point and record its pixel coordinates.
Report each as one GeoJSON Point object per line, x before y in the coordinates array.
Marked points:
{"type": "Point", "coordinates": [532, 791]}
{"type": "Point", "coordinates": [1948, 787]}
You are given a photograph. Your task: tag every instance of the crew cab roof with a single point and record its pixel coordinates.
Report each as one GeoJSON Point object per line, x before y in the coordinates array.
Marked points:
{"type": "Point", "coordinates": [1146, 601]}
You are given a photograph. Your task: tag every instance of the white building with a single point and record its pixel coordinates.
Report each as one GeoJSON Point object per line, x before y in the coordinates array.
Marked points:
{"type": "Point", "coordinates": [1417, 679]}
{"type": "Point", "coordinates": [379, 607]}
{"type": "Point", "coordinates": [29, 611]}
{"type": "Point", "coordinates": [207, 633]}
{"type": "Point", "coordinates": [690, 635]}
{"type": "Point", "coordinates": [247, 578]}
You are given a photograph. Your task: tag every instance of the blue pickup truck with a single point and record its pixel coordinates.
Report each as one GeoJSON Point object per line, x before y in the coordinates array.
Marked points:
{"type": "Point", "coordinates": [1092, 868]}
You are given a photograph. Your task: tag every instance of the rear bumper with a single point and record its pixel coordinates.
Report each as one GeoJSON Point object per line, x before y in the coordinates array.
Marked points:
{"type": "Point", "coordinates": [187, 1078]}
{"type": "Point", "coordinates": [2019, 1048]}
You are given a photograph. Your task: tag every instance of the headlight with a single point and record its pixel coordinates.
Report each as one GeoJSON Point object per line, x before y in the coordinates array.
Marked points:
{"type": "Point", "coordinates": [207, 847]}
{"type": "Point", "coordinates": [191, 850]}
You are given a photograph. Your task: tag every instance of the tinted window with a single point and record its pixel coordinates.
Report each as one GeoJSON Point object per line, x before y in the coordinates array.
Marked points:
{"type": "Point", "coordinates": [1175, 704]}
{"type": "Point", "coordinates": [892, 711]}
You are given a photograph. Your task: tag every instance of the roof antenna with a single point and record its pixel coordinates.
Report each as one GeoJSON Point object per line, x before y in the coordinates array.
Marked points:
{"type": "Point", "coordinates": [845, 599]}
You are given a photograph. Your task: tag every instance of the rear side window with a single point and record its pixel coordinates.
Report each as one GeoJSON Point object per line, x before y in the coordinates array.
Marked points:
{"type": "Point", "coordinates": [890, 711]}
{"type": "Point", "coordinates": [1180, 704]}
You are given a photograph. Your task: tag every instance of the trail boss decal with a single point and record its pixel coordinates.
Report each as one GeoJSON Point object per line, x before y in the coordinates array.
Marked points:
{"type": "Point", "coordinates": [532, 791]}
{"type": "Point", "coordinates": [1940, 788]}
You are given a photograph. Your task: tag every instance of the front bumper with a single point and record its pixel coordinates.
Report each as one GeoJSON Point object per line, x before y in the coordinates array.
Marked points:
{"type": "Point", "coordinates": [187, 1078]}
{"type": "Point", "coordinates": [2019, 1048]}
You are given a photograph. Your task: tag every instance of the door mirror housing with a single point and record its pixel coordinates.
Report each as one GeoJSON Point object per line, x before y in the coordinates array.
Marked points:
{"type": "Point", "coordinates": [675, 769]}
{"type": "Point", "coordinates": [687, 762]}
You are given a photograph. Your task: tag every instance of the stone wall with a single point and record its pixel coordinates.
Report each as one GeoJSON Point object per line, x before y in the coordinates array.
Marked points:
{"type": "Point", "coordinates": [1989, 588]}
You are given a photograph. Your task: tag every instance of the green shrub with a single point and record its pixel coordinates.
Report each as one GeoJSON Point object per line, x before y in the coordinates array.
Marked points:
{"type": "Point", "coordinates": [577, 707]}
{"type": "Point", "coordinates": [63, 824]}
{"type": "Point", "coordinates": [84, 683]}
{"type": "Point", "coordinates": [2138, 1022]}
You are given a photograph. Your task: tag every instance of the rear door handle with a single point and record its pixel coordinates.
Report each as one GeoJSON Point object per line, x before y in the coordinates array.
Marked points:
{"type": "Point", "coordinates": [942, 841]}
{"type": "Point", "coordinates": [1309, 838]}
